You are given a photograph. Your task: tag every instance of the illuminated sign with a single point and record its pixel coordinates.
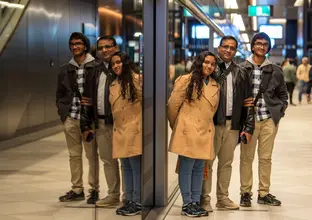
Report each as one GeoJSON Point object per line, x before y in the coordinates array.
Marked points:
{"type": "Point", "coordinates": [260, 10]}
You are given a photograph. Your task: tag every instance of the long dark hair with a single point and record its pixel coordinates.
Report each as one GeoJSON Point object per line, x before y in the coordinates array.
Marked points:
{"type": "Point", "coordinates": [197, 76]}
{"type": "Point", "coordinates": [126, 78]}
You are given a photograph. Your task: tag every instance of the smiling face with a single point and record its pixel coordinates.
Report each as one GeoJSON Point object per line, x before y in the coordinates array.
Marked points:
{"type": "Point", "coordinates": [260, 47]}
{"type": "Point", "coordinates": [209, 65]}
{"type": "Point", "coordinates": [77, 47]}
{"type": "Point", "coordinates": [106, 49]}
{"type": "Point", "coordinates": [116, 65]}
{"type": "Point", "coordinates": [227, 50]}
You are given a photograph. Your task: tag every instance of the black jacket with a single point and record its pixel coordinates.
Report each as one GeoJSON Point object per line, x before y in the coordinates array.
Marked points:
{"type": "Point", "coordinates": [242, 117]}
{"type": "Point", "coordinates": [89, 113]}
{"type": "Point", "coordinates": [67, 86]}
{"type": "Point", "coordinates": [275, 92]}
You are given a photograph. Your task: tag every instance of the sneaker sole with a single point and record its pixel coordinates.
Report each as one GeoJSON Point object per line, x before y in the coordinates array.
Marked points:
{"type": "Point", "coordinates": [72, 200]}
{"type": "Point", "coordinates": [106, 206]}
{"type": "Point", "coordinates": [188, 215]}
{"type": "Point", "coordinates": [132, 214]}
{"type": "Point", "coordinates": [245, 205]}
{"type": "Point", "coordinates": [270, 204]}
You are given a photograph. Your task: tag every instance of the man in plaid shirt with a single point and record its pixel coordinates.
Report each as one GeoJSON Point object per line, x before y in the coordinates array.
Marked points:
{"type": "Point", "coordinates": [70, 89]}
{"type": "Point", "coordinates": [270, 100]}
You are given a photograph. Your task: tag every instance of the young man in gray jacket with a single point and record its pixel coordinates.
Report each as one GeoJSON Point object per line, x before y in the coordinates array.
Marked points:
{"type": "Point", "coordinates": [70, 89]}
{"type": "Point", "coordinates": [270, 100]}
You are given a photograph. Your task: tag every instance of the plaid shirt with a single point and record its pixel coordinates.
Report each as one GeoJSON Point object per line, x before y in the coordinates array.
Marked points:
{"type": "Point", "coordinates": [262, 111]}
{"type": "Point", "coordinates": [75, 106]}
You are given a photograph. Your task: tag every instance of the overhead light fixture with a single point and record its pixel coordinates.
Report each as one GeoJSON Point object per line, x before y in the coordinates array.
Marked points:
{"type": "Point", "coordinates": [299, 3]}
{"type": "Point", "coordinates": [277, 21]}
{"type": "Point", "coordinates": [11, 5]}
{"type": "Point", "coordinates": [238, 22]}
{"type": "Point", "coordinates": [230, 4]}
{"type": "Point", "coordinates": [248, 47]}
{"type": "Point", "coordinates": [245, 38]}
{"type": "Point", "coordinates": [255, 23]}
{"type": "Point", "coordinates": [137, 34]}
{"type": "Point", "coordinates": [253, 2]}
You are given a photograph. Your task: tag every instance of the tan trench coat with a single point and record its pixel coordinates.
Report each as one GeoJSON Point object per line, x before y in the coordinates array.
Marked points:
{"type": "Point", "coordinates": [127, 134]}
{"type": "Point", "coordinates": [192, 123]}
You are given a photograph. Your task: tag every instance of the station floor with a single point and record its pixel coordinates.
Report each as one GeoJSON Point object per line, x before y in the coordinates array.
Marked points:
{"type": "Point", "coordinates": [34, 175]}
{"type": "Point", "coordinates": [291, 175]}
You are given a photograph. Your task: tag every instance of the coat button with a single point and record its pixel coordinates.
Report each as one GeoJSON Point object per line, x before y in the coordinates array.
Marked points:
{"type": "Point", "coordinates": [115, 129]}
{"type": "Point", "coordinates": [209, 130]}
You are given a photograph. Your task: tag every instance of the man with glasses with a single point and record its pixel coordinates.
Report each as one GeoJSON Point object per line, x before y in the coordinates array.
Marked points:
{"type": "Point", "coordinates": [270, 100]}
{"type": "Point", "coordinates": [234, 118]}
{"type": "Point", "coordinates": [97, 109]}
{"type": "Point", "coordinates": [70, 88]}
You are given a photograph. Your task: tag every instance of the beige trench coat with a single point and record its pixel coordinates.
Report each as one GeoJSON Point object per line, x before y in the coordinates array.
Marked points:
{"type": "Point", "coordinates": [192, 123]}
{"type": "Point", "coordinates": [127, 133]}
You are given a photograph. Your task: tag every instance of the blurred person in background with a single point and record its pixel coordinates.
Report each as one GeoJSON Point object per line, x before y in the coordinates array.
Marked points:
{"type": "Point", "coordinates": [289, 71]}
{"type": "Point", "coordinates": [303, 77]}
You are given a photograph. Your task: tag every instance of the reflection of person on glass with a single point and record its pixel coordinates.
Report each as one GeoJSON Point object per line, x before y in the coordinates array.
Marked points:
{"type": "Point", "coordinates": [125, 98]}
{"type": "Point", "coordinates": [70, 88]}
{"type": "Point", "coordinates": [191, 108]}
{"type": "Point", "coordinates": [96, 109]}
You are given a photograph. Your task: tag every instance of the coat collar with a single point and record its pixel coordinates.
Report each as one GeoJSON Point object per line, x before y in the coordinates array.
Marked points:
{"type": "Point", "coordinates": [210, 90]}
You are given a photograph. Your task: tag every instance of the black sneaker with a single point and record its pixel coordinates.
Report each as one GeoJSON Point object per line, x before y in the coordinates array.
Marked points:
{"type": "Point", "coordinates": [201, 211]}
{"type": "Point", "coordinates": [93, 197]}
{"type": "Point", "coordinates": [124, 207]}
{"type": "Point", "coordinates": [269, 200]}
{"type": "Point", "coordinates": [245, 200]}
{"type": "Point", "coordinates": [72, 196]}
{"type": "Point", "coordinates": [190, 210]}
{"type": "Point", "coordinates": [131, 209]}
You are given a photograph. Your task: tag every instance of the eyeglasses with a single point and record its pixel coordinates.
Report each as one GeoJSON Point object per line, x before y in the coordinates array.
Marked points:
{"type": "Point", "coordinates": [264, 45]}
{"type": "Point", "coordinates": [78, 44]}
{"type": "Point", "coordinates": [227, 47]}
{"type": "Point", "coordinates": [105, 47]}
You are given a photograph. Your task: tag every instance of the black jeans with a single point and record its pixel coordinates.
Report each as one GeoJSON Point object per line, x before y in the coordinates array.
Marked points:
{"type": "Point", "coordinates": [290, 89]}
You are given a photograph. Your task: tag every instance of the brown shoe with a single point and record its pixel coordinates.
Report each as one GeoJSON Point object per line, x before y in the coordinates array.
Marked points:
{"type": "Point", "coordinates": [227, 204]}
{"type": "Point", "coordinates": [206, 205]}
{"type": "Point", "coordinates": [108, 202]}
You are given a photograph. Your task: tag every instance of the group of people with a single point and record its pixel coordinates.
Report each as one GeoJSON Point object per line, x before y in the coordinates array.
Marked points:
{"type": "Point", "coordinates": [99, 102]}
{"type": "Point", "coordinates": [217, 106]}
{"type": "Point", "coordinates": [292, 75]}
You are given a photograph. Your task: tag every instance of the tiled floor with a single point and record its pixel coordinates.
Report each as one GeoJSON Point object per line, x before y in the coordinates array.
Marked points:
{"type": "Point", "coordinates": [34, 175]}
{"type": "Point", "coordinates": [291, 175]}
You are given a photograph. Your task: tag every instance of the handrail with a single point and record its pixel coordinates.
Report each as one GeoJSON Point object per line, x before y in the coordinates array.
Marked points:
{"type": "Point", "coordinates": [194, 8]}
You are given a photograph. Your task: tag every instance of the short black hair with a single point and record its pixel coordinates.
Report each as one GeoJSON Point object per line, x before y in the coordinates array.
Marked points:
{"type": "Point", "coordinates": [228, 37]}
{"type": "Point", "coordinates": [259, 36]}
{"type": "Point", "coordinates": [107, 37]}
{"type": "Point", "coordinates": [81, 36]}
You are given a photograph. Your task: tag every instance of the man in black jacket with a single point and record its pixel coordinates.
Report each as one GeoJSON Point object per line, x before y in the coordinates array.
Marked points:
{"type": "Point", "coordinates": [97, 110]}
{"type": "Point", "coordinates": [270, 94]}
{"type": "Point", "coordinates": [70, 88]}
{"type": "Point", "coordinates": [235, 112]}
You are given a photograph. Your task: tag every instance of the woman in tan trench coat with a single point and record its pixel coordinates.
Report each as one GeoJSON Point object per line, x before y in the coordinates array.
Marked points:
{"type": "Point", "coordinates": [126, 98]}
{"type": "Point", "coordinates": [191, 108]}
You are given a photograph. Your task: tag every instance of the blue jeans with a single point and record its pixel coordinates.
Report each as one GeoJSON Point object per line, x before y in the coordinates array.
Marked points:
{"type": "Point", "coordinates": [132, 177]}
{"type": "Point", "coordinates": [191, 174]}
{"type": "Point", "coordinates": [302, 86]}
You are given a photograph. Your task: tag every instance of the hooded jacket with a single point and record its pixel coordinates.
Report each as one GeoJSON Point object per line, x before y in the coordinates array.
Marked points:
{"type": "Point", "coordinates": [275, 92]}
{"type": "Point", "coordinates": [67, 84]}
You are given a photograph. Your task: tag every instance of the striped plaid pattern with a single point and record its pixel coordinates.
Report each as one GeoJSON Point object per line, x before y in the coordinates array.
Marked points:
{"type": "Point", "coordinates": [76, 105]}
{"type": "Point", "coordinates": [262, 112]}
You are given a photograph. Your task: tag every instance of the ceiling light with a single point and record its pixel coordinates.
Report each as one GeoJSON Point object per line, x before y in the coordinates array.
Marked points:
{"type": "Point", "coordinates": [245, 38]}
{"type": "Point", "coordinates": [11, 5]}
{"type": "Point", "coordinates": [298, 3]}
{"type": "Point", "coordinates": [277, 21]}
{"type": "Point", "coordinates": [230, 4]}
{"type": "Point", "coordinates": [238, 22]}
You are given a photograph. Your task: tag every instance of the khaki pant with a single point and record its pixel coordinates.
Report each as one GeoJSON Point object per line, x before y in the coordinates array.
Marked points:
{"type": "Point", "coordinates": [225, 141]}
{"type": "Point", "coordinates": [74, 144]}
{"type": "Point", "coordinates": [104, 135]}
{"type": "Point", "coordinates": [265, 133]}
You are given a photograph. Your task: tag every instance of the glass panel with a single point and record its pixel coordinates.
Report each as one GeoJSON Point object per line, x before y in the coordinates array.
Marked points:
{"type": "Point", "coordinates": [176, 68]}
{"type": "Point", "coordinates": [124, 21]}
